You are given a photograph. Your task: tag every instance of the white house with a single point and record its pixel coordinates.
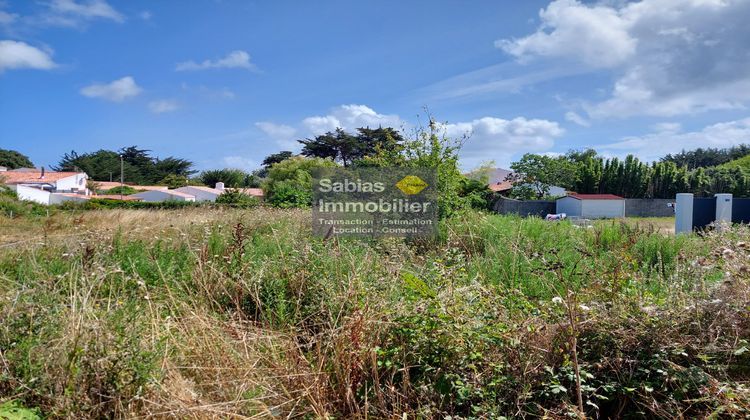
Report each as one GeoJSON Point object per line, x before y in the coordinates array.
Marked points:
{"type": "Point", "coordinates": [592, 206]}
{"type": "Point", "coordinates": [157, 196]}
{"type": "Point", "coordinates": [40, 185]}
{"type": "Point", "coordinates": [203, 193]}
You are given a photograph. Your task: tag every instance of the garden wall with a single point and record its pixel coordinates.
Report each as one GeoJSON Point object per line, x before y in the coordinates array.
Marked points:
{"type": "Point", "coordinates": [648, 207]}
{"type": "Point", "coordinates": [538, 208]}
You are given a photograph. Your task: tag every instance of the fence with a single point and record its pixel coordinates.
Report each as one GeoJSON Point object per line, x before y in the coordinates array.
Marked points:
{"type": "Point", "coordinates": [648, 207]}
{"type": "Point", "coordinates": [634, 207]}
{"type": "Point", "coordinates": [538, 208]}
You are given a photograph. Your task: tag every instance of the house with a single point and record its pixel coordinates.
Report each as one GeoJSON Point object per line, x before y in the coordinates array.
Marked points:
{"type": "Point", "coordinates": [592, 206]}
{"type": "Point", "coordinates": [157, 196]}
{"type": "Point", "coordinates": [252, 192]}
{"type": "Point", "coordinates": [108, 185]}
{"type": "Point", "coordinates": [202, 193]}
{"type": "Point", "coordinates": [45, 187]}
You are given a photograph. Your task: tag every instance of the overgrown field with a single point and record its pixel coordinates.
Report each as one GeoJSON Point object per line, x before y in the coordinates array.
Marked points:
{"type": "Point", "coordinates": [201, 313]}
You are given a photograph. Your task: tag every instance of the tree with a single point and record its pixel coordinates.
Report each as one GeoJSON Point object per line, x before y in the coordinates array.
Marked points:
{"type": "Point", "coordinates": [138, 166]}
{"type": "Point", "coordinates": [233, 178]}
{"type": "Point", "coordinates": [534, 174]}
{"type": "Point", "coordinates": [289, 182]}
{"type": "Point", "coordinates": [236, 198]}
{"type": "Point", "coordinates": [347, 149]}
{"type": "Point", "coordinates": [276, 158]}
{"type": "Point", "coordinates": [12, 159]}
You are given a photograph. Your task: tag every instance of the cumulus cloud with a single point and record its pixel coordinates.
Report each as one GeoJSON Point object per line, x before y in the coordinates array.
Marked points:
{"type": "Point", "coordinates": [350, 117]}
{"type": "Point", "coordinates": [668, 138]}
{"type": "Point", "coordinates": [234, 60]}
{"type": "Point", "coordinates": [669, 57]}
{"type": "Point", "coordinates": [283, 135]}
{"type": "Point", "coordinates": [163, 105]}
{"type": "Point", "coordinates": [499, 139]}
{"type": "Point", "coordinates": [116, 91]}
{"type": "Point", "coordinates": [19, 55]}
{"type": "Point", "coordinates": [487, 138]}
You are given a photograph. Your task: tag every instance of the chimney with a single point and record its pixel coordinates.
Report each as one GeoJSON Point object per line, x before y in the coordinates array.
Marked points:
{"type": "Point", "coordinates": [42, 175]}
{"type": "Point", "coordinates": [220, 186]}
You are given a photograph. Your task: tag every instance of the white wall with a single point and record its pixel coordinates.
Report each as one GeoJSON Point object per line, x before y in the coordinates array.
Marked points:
{"type": "Point", "coordinates": [594, 209]}
{"type": "Point", "coordinates": [569, 206]}
{"type": "Point", "coordinates": [200, 194]}
{"type": "Point", "coordinates": [72, 183]}
{"type": "Point", "coordinates": [157, 196]}
{"type": "Point", "coordinates": [31, 194]}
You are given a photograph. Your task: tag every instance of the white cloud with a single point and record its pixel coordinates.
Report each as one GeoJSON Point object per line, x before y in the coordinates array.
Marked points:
{"type": "Point", "coordinates": [240, 162]}
{"type": "Point", "coordinates": [72, 12]}
{"type": "Point", "coordinates": [350, 117]}
{"type": "Point", "coordinates": [146, 15]}
{"type": "Point", "coordinates": [19, 55]}
{"type": "Point", "coordinates": [577, 119]}
{"type": "Point", "coordinates": [669, 57]}
{"type": "Point", "coordinates": [283, 135]}
{"type": "Point", "coordinates": [499, 139]}
{"type": "Point", "coordinates": [596, 35]}
{"type": "Point", "coordinates": [163, 105]}
{"type": "Point", "coordinates": [669, 139]}
{"type": "Point", "coordinates": [116, 91]}
{"type": "Point", "coordinates": [234, 60]}
{"type": "Point", "coordinates": [488, 138]}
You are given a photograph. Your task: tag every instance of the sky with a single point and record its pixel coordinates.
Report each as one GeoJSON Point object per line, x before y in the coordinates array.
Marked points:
{"type": "Point", "coordinates": [225, 83]}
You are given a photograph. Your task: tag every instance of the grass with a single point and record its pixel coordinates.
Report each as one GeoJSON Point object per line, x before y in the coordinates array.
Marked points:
{"type": "Point", "coordinates": [211, 312]}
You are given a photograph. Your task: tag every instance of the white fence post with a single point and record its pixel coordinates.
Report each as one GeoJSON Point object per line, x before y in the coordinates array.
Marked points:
{"type": "Point", "coordinates": [723, 210]}
{"type": "Point", "coordinates": [683, 218]}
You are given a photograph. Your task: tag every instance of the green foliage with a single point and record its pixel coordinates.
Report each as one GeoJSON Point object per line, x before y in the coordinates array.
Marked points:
{"type": "Point", "coordinates": [273, 158]}
{"type": "Point", "coordinates": [236, 198]}
{"type": "Point", "coordinates": [12, 410]}
{"type": "Point", "coordinates": [12, 159]}
{"type": "Point", "coordinates": [535, 174]}
{"type": "Point", "coordinates": [232, 178]}
{"type": "Point", "coordinates": [123, 189]}
{"type": "Point", "coordinates": [347, 149]}
{"type": "Point", "coordinates": [138, 166]}
{"type": "Point", "coordinates": [289, 183]}
{"type": "Point", "coordinates": [705, 158]}
{"type": "Point", "coordinates": [173, 181]}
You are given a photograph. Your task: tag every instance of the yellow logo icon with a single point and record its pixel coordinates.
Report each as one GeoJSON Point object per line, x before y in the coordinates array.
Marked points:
{"type": "Point", "coordinates": [411, 185]}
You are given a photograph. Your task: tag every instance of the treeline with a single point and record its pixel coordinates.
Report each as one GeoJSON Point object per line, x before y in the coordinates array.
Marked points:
{"type": "Point", "coordinates": [706, 158]}
{"type": "Point", "coordinates": [586, 172]}
{"type": "Point", "coordinates": [138, 166]}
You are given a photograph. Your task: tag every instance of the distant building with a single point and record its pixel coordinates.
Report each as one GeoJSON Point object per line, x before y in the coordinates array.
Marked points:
{"type": "Point", "coordinates": [158, 196]}
{"type": "Point", "coordinates": [592, 206]}
{"type": "Point", "coordinates": [202, 193]}
{"type": "Point", "coordinates": [45, 187]}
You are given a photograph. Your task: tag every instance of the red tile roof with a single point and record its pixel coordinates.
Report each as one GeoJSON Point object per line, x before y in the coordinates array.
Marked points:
{"type": "Point", "coordinates": [595, 196]}
{"type": "Point", "coordinates": [34, 177]}
{"type": "Point", "coordinates": [253, 192]}
{"type": "Point", "coordinates": [117, 197]}
{"type": "Point", "coordinates": [501, 186]}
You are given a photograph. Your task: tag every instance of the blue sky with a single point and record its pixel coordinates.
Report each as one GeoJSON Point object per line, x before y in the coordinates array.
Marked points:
{"type": "Point", "coordinates": [225, 83]}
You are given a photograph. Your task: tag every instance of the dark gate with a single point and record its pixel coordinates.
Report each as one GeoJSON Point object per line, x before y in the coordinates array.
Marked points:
{"type": "Point", "coordinates": [704, 212]}
{"type": "Point", "coordinates": [741, 210]}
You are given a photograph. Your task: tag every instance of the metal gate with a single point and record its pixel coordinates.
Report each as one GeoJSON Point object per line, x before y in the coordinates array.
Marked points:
{"type": "Point", "coordinates": [704, 212]}
{"type": "Point", "coordinates": [741, 210]}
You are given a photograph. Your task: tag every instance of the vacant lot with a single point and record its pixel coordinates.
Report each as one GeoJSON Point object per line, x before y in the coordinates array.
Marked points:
{"type": "Point", "coordinates": [231, 313]}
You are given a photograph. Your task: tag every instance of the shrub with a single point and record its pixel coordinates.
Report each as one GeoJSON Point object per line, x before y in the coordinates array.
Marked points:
{"type": "Point", "coordinates": [289, 182]}
{"type": "Point", "coordinates": [122, 190]}
{"type": "Point", "coordinates": [236, 198]}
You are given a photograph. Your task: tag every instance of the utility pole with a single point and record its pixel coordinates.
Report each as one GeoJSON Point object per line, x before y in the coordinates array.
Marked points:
{"type": "Point", "coordinates": [122, 176]}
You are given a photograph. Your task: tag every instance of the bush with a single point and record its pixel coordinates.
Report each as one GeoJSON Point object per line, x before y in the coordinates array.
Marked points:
{"type": "Point", "coordinates": [289, 182]}
{"type": "Point", "coordinates": [122, 190]}
{"type": "Point", "coordinates": [236, 198]}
